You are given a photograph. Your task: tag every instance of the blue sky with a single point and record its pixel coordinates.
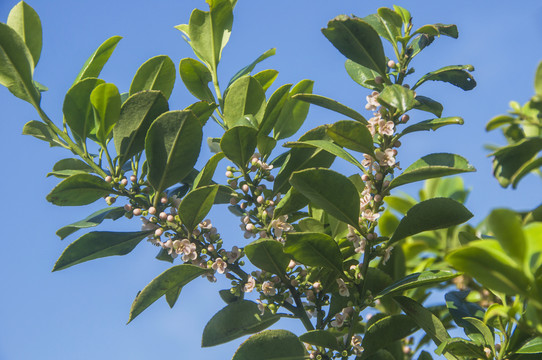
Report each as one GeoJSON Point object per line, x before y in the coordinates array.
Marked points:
{"type": "Point", "coordinates": [80, 313]}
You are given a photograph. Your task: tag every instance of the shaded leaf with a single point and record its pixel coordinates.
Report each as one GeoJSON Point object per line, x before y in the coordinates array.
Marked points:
{"type": "Point", "coordinates": [424, 103]}
{"type": "Point", "coordinates": [533, 346]}
{"type": "Point", "coordinates": [327, 146]}
{"type": "Point", "coordinates": [77, 107]}
{"type": "Point", "coordinates": [506, 225]}
{"type": "Point", "coordinates": [41, 131]}
{"type": "Point", "coordinates": [196, 205]}
{"type": "Point", "coordinates": [205, 176]}
{"type": "Point", "coordinates": [271, 345]}
{"type": "Point", "coordinates": [321, 338]}
{"type": "Point", "coordinates": [362, 75]}
{"type": "Point", "coordinates": [416, 280]}
{"type": "Point", "coordinates": [92, 220]}
{"type": "Point", "coordinates": [79, 189]}
{"type": "Point", "coordinates": [274, 107]}
{"type": "Point", "coordinates": [385, 331]}
{"type": "Point", "coordinates": [157, 73]}
{"type": "Point", "coordinates": [268, 255]}
{"type": "Point", "coordinates": [433, 124]}
{"type": "Point", "coordinates": [315, 249]}
{"type": "Point", "coordinates": [457, 75]}
{"type": "Point", "coordinates": [330, 104]}
{"type": "Point", "coordinates": [202, 110]}
{"type": "Point", "coordinates": [509, 159]}
{"type": "Point", "coordinates": [292, 201]}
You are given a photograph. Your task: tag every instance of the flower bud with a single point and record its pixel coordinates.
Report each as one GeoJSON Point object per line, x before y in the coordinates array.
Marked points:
{"type": "Point", "coordinates": [108, 179]}
{"type": "Point", "coordinates": [229, 174]}
{"type": "Point", "coordinates": [233, 201]}
{"type": "Point", "coordinates": [378, 198]}
{"type": "Point", "coordinates": [260, 199]}
{"type": "Point", "coordinates": [137, 211]}
{"type": "Point", "coordinates": [127, 207]}
{"type": "Point", "coordinates": [110, 200]}
{"type": "Point", "coordinates": [379, 176]}
{"type": "Point", "coordinates": [163, 200]}
{"type": "Point", "coordinates": [294, 282]}
{"type": "Point", "coordinates": [397, 144]}
{"type": "Point", "coordinates": [210, 248]}
{"type": "Point", "coordinates": [270, 178]}
{"type": "Point", "coordinates": [162, 216]}
{"type": "Point", "coordinates": [158, 232]}
{"type": "Point", "coordinates": [233, 184]}
{"type": "Point", "coordinates": [365, 177]}
{"type": "Point", "coordinates": [152, 210]}
{"type": "Point", "coordinates": [245, 188]}
{"type": "Point", "coordinates": [391, 64]}
{"type": "Point", "coordinates": [124, 182]}
{"type": "Point", "coordinates": [292, 264]}
{"type": "Point", "coordinates": [133, 178]}
{"type": "Point", "coordinates": [170, 218]}
{"type": "Point", "coordinates": [317, 286]}
{"type": "Point", "coordinates": [250, 227]}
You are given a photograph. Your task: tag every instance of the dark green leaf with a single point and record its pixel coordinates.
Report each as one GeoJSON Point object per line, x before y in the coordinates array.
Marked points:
{"type": "Point", "coordinates": [266, 78]}
{"type": "Point", "coordinates": [247, 69]}
{"type": "Point", "coordinates": [424, 355]}
{"type": "Point", "coordinates": [419, 43]}
{"type": "Point", "coordinates": [506, 225]}
{"type": "Point", "coordinates": [171, 279]}
{"type": "Point", "coordinates": [172, 146]}
{"type": "Point", "coordinates": [95, 63]}
{"type": "Point", "coordinates": [461, 347]}
{"type": "Point", "coordinates": [385, 331]}
{"type": "Point", "coordinates": [205, 176]}
{"type": "Point", "coordinates": [79, 189]}
{"type": "Point", "coordinates": [196, 205]}
{"type": "Point", "coordinates": [26, 22]}
{"type": "Point", "coordinates": [41, 131]}
{"type": "Point", "coordinates": [448, 30]}
{"type": "Point", "coordinates": [315, 249]}
{"type": "Point", "coordinates": [105, 100]}
{"type": "Point", "coordinates": [172, 296]}
{"type": "Point", "coordinates": [67, 167]}
{"type": "Point", "coordinates": [352, 135]}
{"type": "Point", "coordinates": [508, 160]}
{"type": "Point", "coordinates": [92, 220]}
{"type": "Point", "coordinates": [196, 78]}
{"type": "Point", "coordinates": [433, 166]}
{"type": "Point", "coordinates": [530, 166]}
{"type": "Point", "coordinates": [292, 201]}
{"type": "Point", "coordinates": [328, 146]}
{"type": "Point", "coordinates": [238, 319]}
{"type": "Point", "coordinates": [331, 104]}
{"type": "Point", "coordinates": [432, 124]}
{"type": "Point", "coordinates": [245, 97]}
{"type": "Point", "coordinates": [331, 191]}
{"type": "Point", "coordinates": [202, 110]}
{"type": "Point", "coordinates": [77, 107]}
{"type": "Point", "coordinates": [274, 107]}
{"type": "Point", "coordinates": [362, 75]}
{"type": "Point", "coordinates": [271, 345]}
{"type": "Point", "coordinates": [157, 73]}
{"type": "Point", "coordinates": [432, 214]}
{"type": "Point", "coordinates": [268, 255]}
{"type": "Point", "coordinates": [424, 103]}
{"type": "Point", "coordinates": [397, 97]}
{"type": "Point", "coordinates": [416, 280]}
{"type": "Point", "coordinates": [136, 116]}
{"type": "Point", "coordinates": [321, 338]}
{"type": "Point", "coordinates": [461, 310]}
{"type": "Point", "coordinates": [239, 143]}
{"type": "Point", "coordinates": [293, 112]}
{"type": "Point", "coordinates": [228, 297]}
{"type": "Point", "coordinates": [98, 244]}
{"type": "Point", "coordinates": [480, 333]}
{"type": "Point", "coordinates": [457, 75]}
{"type": "Point", "coordinates": [533, 346]}
{"type": "Point", "coordinates": [404, 13]}
{"type": "Point", "coordinates": [357, 40]}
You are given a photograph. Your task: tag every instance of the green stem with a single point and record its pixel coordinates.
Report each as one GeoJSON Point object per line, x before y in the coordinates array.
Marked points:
{"type": "Point", "coordinates": [299, 310]}
{"type": "Point", "coordinates": [111, 166]}
{"type": "Point", "coordinates": [218, 93]}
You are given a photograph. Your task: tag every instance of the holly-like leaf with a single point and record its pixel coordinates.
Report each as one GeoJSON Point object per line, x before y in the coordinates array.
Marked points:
{"type": "Point", "coordinates": [271, 345]}
{"type": "Point", "coordinates": [157, 73]}
{"type": "Point", "coordinates": [95, 63]}
{"type": "Point", "coordinates": [79, 189]}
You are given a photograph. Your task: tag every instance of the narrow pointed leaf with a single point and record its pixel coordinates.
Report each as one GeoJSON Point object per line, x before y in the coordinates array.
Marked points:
{"type": "Point", "coordinates": [196, 78]}
{"type": "Point", "coordinates": [105, 100]}
{"type": "Point", "coordinates": [248, 69]}
{"type": "Point", "coordinates": [397, 97]}
{"type": "Point", "coordinates": [432, 214]}
{"type": "Point", "coordinates": [416, 280]}
{"type": "Point", "coordinates": [41, 131]}
{"type": "Point", "coordinates": [98, 244]}
{"type": "Point", "coordinates": [332, 105]}
{"type": "Point", "coordinates": [268, 255]}
{"type": "Point", "coordinates": [205, 176]}
{"type": "Point", "coordinates": [315, 249]}
{"type": "Point", "coordinates": [157, 73]}
{"type": "Point", "coordinates": [237, 319]}
{"type": "Point", "coordinates": [352, 135]}
{"type": "Point", "coordinates": [433, 124]}
{"type": "Point", "coordinates": [92, 220]}
{"type": "Point", "coordinates": [528, 167]}
{"type": "Point", "coordinates": [457, 75]}
{"type": "Point", "coordinates": [245, 97]}
{"type": "Point", "coordinates": [95, 63]}
{"type": "Point", "coordinates": [196, 205]}
{"type": "Point", "coordinates": [271, 345]}
{"type": "Point", "coordinates": [239, 143]}
{"type": "Point", "coordinates": [327, 146]}
{"type": "Point", "coordinates": [293, 113]}
{"type": "Point", "coordinates": [321, 338]}
{"type": "Point", "coordinates": [171, 279]}
{"type": "Point", "coordinates": [77, 107]}
{"type": "Point", "coordinates": [26, 22]}
{"type": "Point", "coordinates": [79, 189]}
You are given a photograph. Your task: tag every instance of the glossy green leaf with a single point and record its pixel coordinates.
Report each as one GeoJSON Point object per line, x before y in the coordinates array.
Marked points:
{"type": "Point", "coordinates": [457, 75]}
{"type": "Point", "coordinates": [433, 166]}
{"type": "Point", "coordinates": [239, 143]}
{"type": "Point", "coordinates": [266, 78]}
{"type": "Point", "coordinates": [385, 331]}
{"type": "Point", "coordinates": [171, 279]}
{"type": "Point", "coordinates": [485, 261]}
{"type": "Point", "coordinates": [431, 30]}
{"type": "Point", "coordinates": [202, 110]}
{"type": "Point", "coordinates": [248, 69]}
{"type": "Point", "coordinates": [315, 249]}
{"type": "Point", "coordinates": [357, 40]}
{"type": "Point", "coordinates": [292, 201]}
{"type": "Point", "coordinates": [293, 112]}
{"type": "Point", "coordinates": [412, 281]}
{"type": "Point", "coordinates": [95, 63]}
{"type": "Point", "coordinates": [362, 75]}
{"type": "Point", "coordinates": [26, 22]}
{"type": "Point", "coordinates": [105, 100]}
{"type": "Point", "coordinates": [461, 347]}
{"type": "Point", "coordinates": [205, 176]}
{"type": "Point", "coordinates": [465, 314]}
{"type": "Point", "coordinates": [352, 135]}
{"type": "Point", "coordinates": [157, 73]}
{"type": "Point", "coordinates": [506, 225]}
{"type": "Point", "coordinates": [508, 160]}
{"type": "Point", "coordinates": [136, 116]}
{"type": "Point", "coordinates": [238, 319]}
{"type": "Point", "coordinates": [245, 97]}
{"type": "Point", "coordinates": [79, 189]}
{"type": "Point", "coordinates": [328, 146]}
{"type": "Point", "coordinates": [17, 66]}
{"type": "Point", "coordinates": [397, 97]}
{"type": "Point", "coordinates": [320, 338]}
{"type": "Point", "coordinates": [433, 124]}
{"type": "Point", "coordinates": [98, 244]}
{"type": "Point", "coordinates": [499, 121]}
{"type": "Point", "coordinates": [274, 107]}
{"type": "Point", "coordinates": [432, 214]}
{"type": "Point", "coordinates": [271, 345]}
{"type": "Point", "coordinates": [67, 167]}
{"type": "Point", "coordinates": [196, 205]}
{"type": "Point", "coordinates": [424, 103]}
{"type": "Point", "coordinates": [92, 220]}
{"type": "Point", "coordinates": [404, 13]}
{"type": "Point", "coordinates": [228, 297]}
{"type": "Point", "coordinates": [172, 146]}
{"type": "Point", "coordinates": [268, 255]}
{"type": "Point", "coordinates": [172, 296]}
{"type": "Point", "coordinates": [77, 107]}
{"type": "Point", "coordinates": [533, 346]}
{"type": "Point", "coordinates": [400, 204]}
{"type": "Point", "coordinates": [196, 78]}
{"type": "Point", "coordinates": [41, 131]}
{"type": "Point", "coordinates": [331, 104]}
{"type": "Point", "coordinates": [480, 333]}
{"type": "Point", "coordinates": [331, 191]}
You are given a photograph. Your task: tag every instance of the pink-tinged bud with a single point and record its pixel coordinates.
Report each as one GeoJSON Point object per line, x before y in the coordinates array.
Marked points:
{"type": "Point", "coordinates": [127, 207]}
{"type": "Point", "coordinates": [379, 80]}
{"type": "Point", "coordinates": [294, 282]}
{"type": "Point", "coordinates": [406, 350]}
{"type": "Point", "coordinates": [152, 210]}
{"type": "Point", "coordinates": [233, 184]}
{"type": "Point", "coordinates": [253, 168]}
{"type": "Point", "coordinates": [124, 182]}
{"type": "Point", "coordinates": [137, 211]}
{"type": "Point", "coordinates": [291, 264]}
{"type": "Point", "coordinates": [310, 295]}
{"type": "Point", "coordinates": [378, 198]}
{"type": "Point", "coordinates": [133, 178]}
{"type": "Point", "coordinates": [158, 232]}
{"type": "Point", "coordinates": [108, 179]}
{"type": "Point", "coordinates": [370, 236]}
{"type": "Point", "coordinates": [245, 188]}
{"type": "Point", "coordinates": [270, 178]}
{"type": "Point", "coordinates": [210, 248]}
{"type": "Point", "coordinates": [233, 201]}
{"type": "Point", "coordinates": [250, 227]}
{"type": "Point", "coordinates": [405, 118]}
{"type": "Point", "coordinates": [243, 205]}
{"type": "Point", "coordinates": [348, 311]}
{"type": "Point", "coordinates": [229, 174]}
{"type": "Point", "coordinates": [260, 199]}
{"type": "Point", "coordinates": [391, 64]}
{"type": "Point", "coordinates": [317, 286]}
{"type": "Point", "coordinates": [365, 177]}
{"type": "Point", "coordinates": [397, 144]}
{"type": "Point", "coordinates": [163, 200]}
{"type": "Point", "coordinates": [261, 188]}
{"type": "Point", "coordinates": [379, 176]}
{"type": "Point", "coordinates": [170, 218]}
{"type": "Point", "coordinates": [162, 216]}
{"type": "Point", "coordinates": [110, 200]}
{"type": "Point", "coordinates": [229, 276]}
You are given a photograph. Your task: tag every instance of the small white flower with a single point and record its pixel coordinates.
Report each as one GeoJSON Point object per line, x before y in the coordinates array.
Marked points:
{"type": "Point", "coordinates": [386, 158]}
{"type": "Point", "coordinates": [249, 285]}
{"type": "Point", "coordinates": [206, 224]}
{"type": "Point", "coordinates": [385, 127]}
{"type": "Point", "coordinates": [356, 343]}
{"type": "Point", "coordinates": [364, 201]}
{"type": "Point", "coordinates": [368, 160]}
{"type": "Point", "coordinates": [372, 102]}
{"type": "Point", "coordinates": [387, 254]}
{"type": "Point", "coordinates": [220, 266]}
{"type": "Point", "coordinates": [268, 288]}
{"type": "Point", "coordinates": [168, 245]}
{"type": "Point", "coordinates": [368, 214]}
{"type": "Point", "coordinates": [343, 289]}
{"type": "Point", "coordinates": [233, 255]}
{"type": "Point", "coordinates": [281, 225]}
{"type": "Point", "coordinates": [261, 306]}
{"type": "Point", "coordinates": [339, 320]}
{"type": "Point", "coordinates": [147, 225]}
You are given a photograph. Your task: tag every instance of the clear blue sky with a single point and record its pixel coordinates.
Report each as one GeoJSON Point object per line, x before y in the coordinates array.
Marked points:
{"type": "Point", "coordinates": [80, 313]}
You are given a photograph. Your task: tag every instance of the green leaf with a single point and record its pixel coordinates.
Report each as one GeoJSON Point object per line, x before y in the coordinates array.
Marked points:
{"type": "Point", "coordinates": [268, 255]}
{"type": "Point", "coordinates": [424, 103]}
{"type": "Point", "coordinates": [71, 164]}
{"type": "Point", "coordinates": [172, 146]}
{"type": "Point", "coordinates": [205, 176]}
{"type": "Point", "coordinates": [248, 69]}
{"type": "Point", "coordinates": [447, 30]}
{"type": "Point", "coordinates": [79, 189]}
{"type": "Point", "coordinates": [171, 279]}
{"type": "Point", "coordinates": [507, 227]}
{"type": "Point", "coordinates": [77, 107]}
{"type": "Point", "coordinates": [480, 333]}
{"type": "Point", "coordinates": [432, 214]}
{"type": "Point", "coordinates": [538, 79]}
{"type": "Point", "coordinates": [98, 244]}
{"type": "Point", "coordinates": [401, 204]}
{"type": "Point", "coordinates": [26, 22]}
{"type": "Point", "coordinates": [293, 112]}
{"type": "Point", "coordinates": [196, 205]}
{"type": "Point", "coordinates": [95, 63]}
{"type": "Point", "coordinates": [352, 135]}
{"type": "Point", "coordinates": [533, 346]}
{"type": "Point", "coordinates": [196, 78]}
{"type": "Point", "coordinates": [105, 100]}
{"type": "Point", "coordinates": [237, 319]}
{"type": "Point", "coordinates": [157, 73]}
{"type": "Point", "coordinates": [266, 144]}
{"type": "Point", "coordinates": [266, 78]}
{"type": "Point", "coordinates": [328, 146]}
{"type": "Point", "coordinates": [331, 191]}
{"type": "Point", "coordinates": [461, 347]}
{"type": "Point", "coordinates": [331, 104]}
{"type": "Point", "coordinates": [209, 31]}
{"type": "Point", "coordinates": [245, 97]}
{"type": "Point", "coordinates": [424, 355]}
{"type": "Point", "coordinates": [315, 249]}
{"type": "Point", "coordinates": [432, 166]}
{"type": "Point", "coordinates": [464, 313]}
{"type": "Point", "coordinates": [92, 220]}
{"type": "Point", "coordinates": [530, 166]}
{"type": "Point", "coordinates": [362, 75]}
{"type": "Point", "coordinates": [41, 131]}
{"type": "Point", "coordinates": [172, 295]}
{"type": "Point", "coordinates": [433, 124]}
{"type": "Point", "coordinates": [385, 331]}
{"type": "Point", "coordinates": [274, 107]}
{"type": "Point", "coordinates": [499, 121]}
{"type": "Point", "coordinates": [292, 201]}
{"type": "Point", "coordinates": [136, 116]}
{"type": "Point", "coordinates": [202, 110]}
{"type": "Point", "coordinates": [485, 261]}
{"type": "Point", "coordinates": [403, 13]}
{"type": "Point", "coordinates": [228, 297]}
{"type": "Point", "coordinates": [397, 97]}
{"type": "Point", "coordinates": [508, 160]}
{"type": "Point", "coordinates": [321, 338]}
{"type": "Point", "coordinates": [457, 75]}
{"type": "Point", "coordinates": [417, 280]}
{"type": "Point", "coordinates": [238, 144]}
{"type": "Point", "coordinates": [357, 40]}
{"type": "Point", "coordinates": [17, 66]}
{"type": "Point", "coordinates": [271, 345]}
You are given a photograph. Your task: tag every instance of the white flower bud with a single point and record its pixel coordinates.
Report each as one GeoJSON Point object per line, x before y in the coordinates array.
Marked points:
{"type": "Point", "coordinates": [292, 264]}
{"type": "Point", "coordinates": [250, 227]}
{"type": "Point", "coordinates": [391, 64]}
{"type": "Point", "coordinates": [158, 232]}
{"type": "Point", "coordinates": [260, 199]}
{"type": "Point", "coordinates": [170, 218]}
{"type": "Point", "coordinates": [229, 174]}
{"type": "Point", "coordinates": [365, 177]}
{"type": "Point", "coordinates": [137, 211]}
{"type": "Point", "coordinates": [133, 178]}
{"type": "Point", "coordinates": [124, 182]}
{"type": "Point", "coordinates": [152, 210]}
{"type": "Point", "coordinates": [245, 188]}
{"type": "Point", "coordinates": [378, 198]}
{"type": "Point", "coordinates": [108, 179]}
{"type": "Point", "coordinates": [162, 216]}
